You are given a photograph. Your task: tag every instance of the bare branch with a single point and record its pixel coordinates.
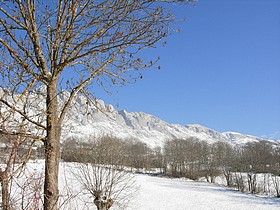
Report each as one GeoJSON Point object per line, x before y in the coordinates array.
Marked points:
{"type": "Point", "coordinates": [22, 113]}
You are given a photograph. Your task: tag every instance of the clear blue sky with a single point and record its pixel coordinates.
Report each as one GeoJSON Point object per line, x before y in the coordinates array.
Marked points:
{"type": "Point", "coordinates": [221, 71]}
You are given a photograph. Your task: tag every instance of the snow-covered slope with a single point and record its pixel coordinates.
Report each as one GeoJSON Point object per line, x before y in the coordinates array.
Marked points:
{"type": "Point", "coordinates": [85, 121]}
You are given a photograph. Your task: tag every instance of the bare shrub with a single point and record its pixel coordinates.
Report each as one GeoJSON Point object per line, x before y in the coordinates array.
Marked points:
{"type": "Point", "coordinates": [105, 185]}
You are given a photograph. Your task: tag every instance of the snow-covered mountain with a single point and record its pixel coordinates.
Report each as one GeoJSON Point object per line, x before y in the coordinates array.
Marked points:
{"type": "Point", "coordinates": [85, 121]}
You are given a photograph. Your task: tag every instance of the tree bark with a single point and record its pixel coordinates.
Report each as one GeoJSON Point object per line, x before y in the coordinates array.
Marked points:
{"type": "Point", "coordinates": [52, 149]}
{"type": "Point", "coordinates": [5, 194]}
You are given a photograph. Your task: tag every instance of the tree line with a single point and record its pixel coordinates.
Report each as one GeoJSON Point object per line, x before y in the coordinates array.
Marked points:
{"type": "Point", "coordinates": [191, 158]}
{"type": "Point", "coordinates": [112, 151]}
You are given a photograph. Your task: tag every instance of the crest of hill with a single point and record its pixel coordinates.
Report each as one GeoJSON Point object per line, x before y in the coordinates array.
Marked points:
{"type": "Point", "coordinates": [87, 120]}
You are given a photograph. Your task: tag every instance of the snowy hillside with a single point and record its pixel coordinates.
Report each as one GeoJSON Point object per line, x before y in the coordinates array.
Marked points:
{"type": "Point", "coordinates": [86, 120]}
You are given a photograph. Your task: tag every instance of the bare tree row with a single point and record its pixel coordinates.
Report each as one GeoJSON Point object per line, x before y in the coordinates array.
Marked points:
{"type": "Point", "coordinates": [112, 151]}
{"type": "Point", "coordinates": [191, 158]}
{"type": "Point", "coordinates": [253, 167]}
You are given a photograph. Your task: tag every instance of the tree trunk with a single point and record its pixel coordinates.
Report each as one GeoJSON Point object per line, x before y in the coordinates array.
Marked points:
{"type": "Point", "coordinates": [228, 176]}
{"type": "Point", "coordinates": [5, 194]}
{"type": "Point", "coordinates": [52, 149]}
{"type": "Point", "coordinates": [103, 203]}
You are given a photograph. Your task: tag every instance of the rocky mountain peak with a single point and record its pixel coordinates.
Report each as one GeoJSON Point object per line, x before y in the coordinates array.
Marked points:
{"type": "Point", "coordinates": [101, 119]}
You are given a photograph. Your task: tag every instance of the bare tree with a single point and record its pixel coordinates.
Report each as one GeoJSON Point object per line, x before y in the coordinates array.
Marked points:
{"type": "Point", "coordinates": [16, 144]}
{"type": "Point", "coordinates": [42, 43]}
{"type": "Point", "coordinates": [12, 161]}
{"type": "Point", "coordinates": [29, 194]}
{"type": "Point", "coordinates": [276, 184]}
{"type": "Point", "coordinates": [174, 151]}
{"type": "Point", "coordinates": [239, 181]}
{"type": "Point", "coordinates": [224, 158]}
{"type": "Point", "coordinates": [106, 185]}
{"type": "Point", "coordinates": [189, 158]}
{"type": "Point", "coordinates": [137, 154]}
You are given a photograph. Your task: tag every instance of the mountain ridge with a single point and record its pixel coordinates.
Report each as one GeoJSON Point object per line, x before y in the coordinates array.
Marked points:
{"type": "Point", "coordinates": [87, 119]}
{"type": "Point", "coordinates": [104, 119]}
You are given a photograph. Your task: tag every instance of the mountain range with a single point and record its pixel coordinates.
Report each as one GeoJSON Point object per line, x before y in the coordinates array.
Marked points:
{"type": "Point", "coordinates": [87, 120]}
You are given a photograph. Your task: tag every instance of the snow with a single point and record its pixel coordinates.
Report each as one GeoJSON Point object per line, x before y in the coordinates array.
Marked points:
{"type": "Point", "coordinates": [156, 193]}
{"type": "Point", "coordinates": [168, 194]}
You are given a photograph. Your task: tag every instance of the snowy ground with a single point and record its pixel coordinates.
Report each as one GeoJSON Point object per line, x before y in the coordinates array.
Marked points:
{"type": "Point", "coordinates": [170, 194]}
{"type": "Point", "coordinates": [156, 193]}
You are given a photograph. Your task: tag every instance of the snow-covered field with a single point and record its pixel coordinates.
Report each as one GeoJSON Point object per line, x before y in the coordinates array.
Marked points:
{"type": "Point", "coordinates": [155, 193]}
{"type": "Point", "coordinates": [171, 194]}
